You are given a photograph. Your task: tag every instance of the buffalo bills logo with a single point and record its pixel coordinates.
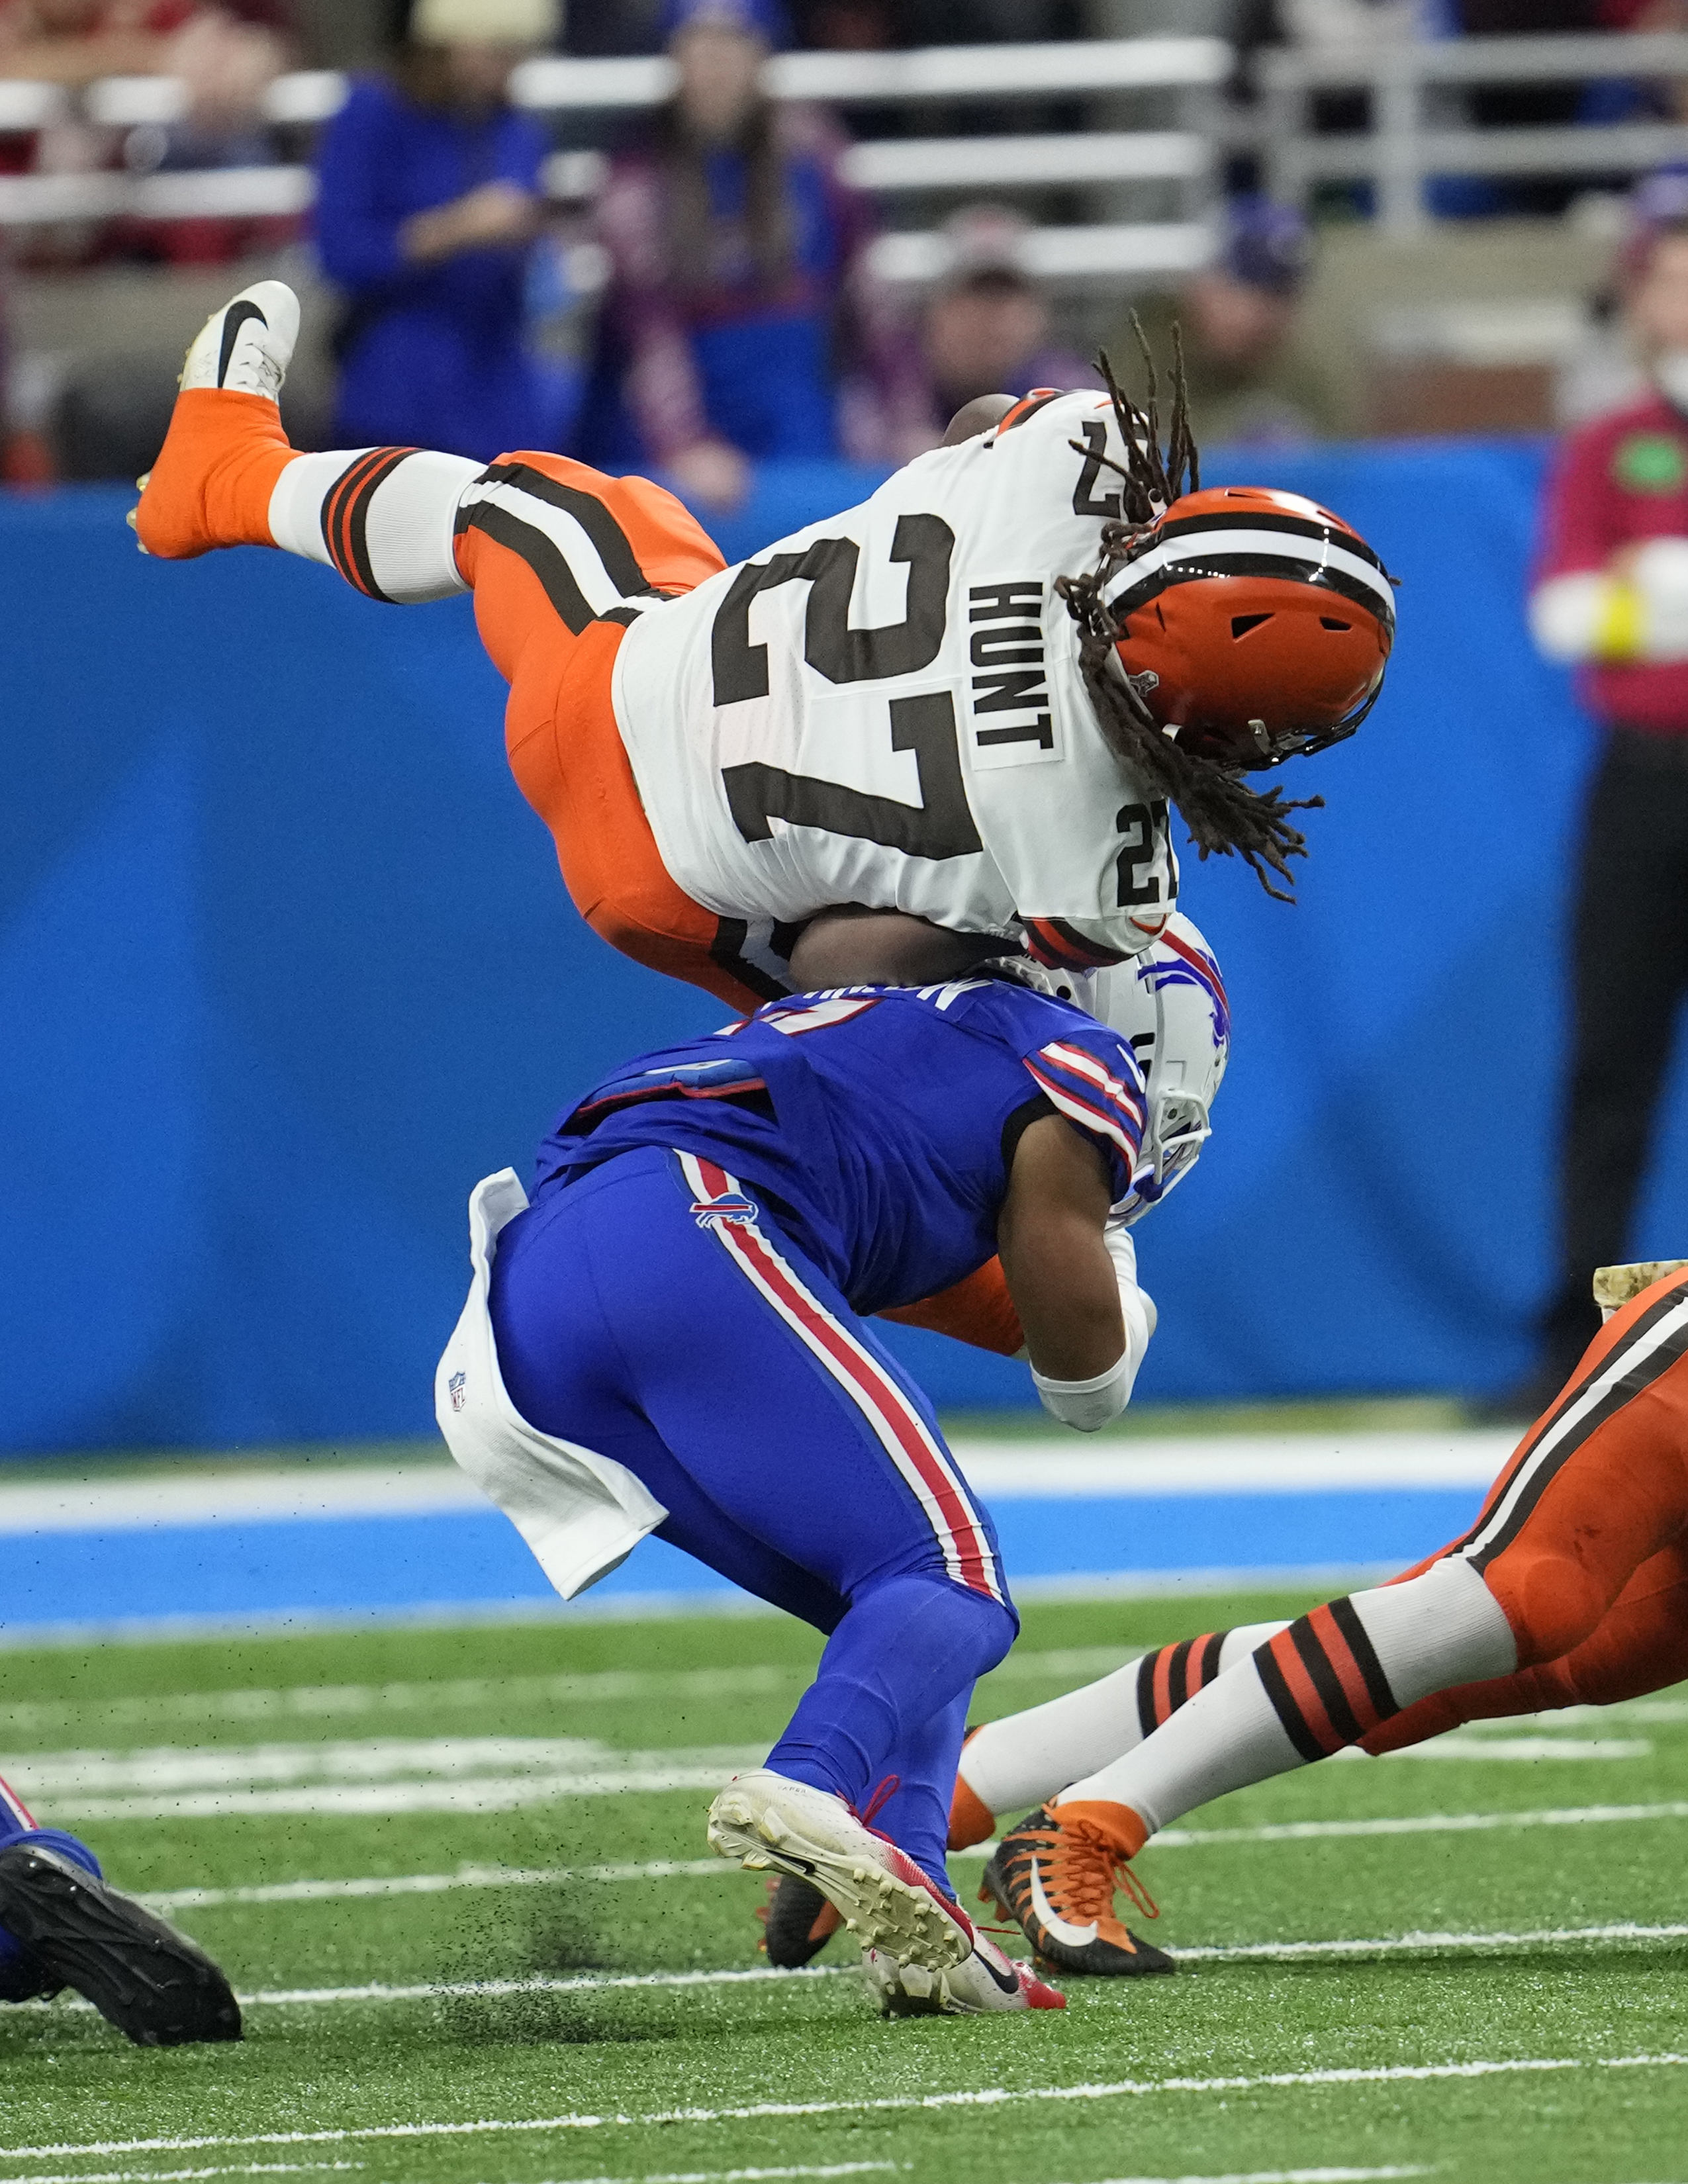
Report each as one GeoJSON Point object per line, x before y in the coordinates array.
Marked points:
{"type": "Point", "coordinates": [732, 1207]}
{"type": "Point", "coordinates": [1192, 970]}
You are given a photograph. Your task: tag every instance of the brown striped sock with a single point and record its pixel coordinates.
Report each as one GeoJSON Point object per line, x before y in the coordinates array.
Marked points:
{"type": "Point", "coordinates": [1173, 1674]}
{"type": "Point", "coordinates": [1325, 1681]}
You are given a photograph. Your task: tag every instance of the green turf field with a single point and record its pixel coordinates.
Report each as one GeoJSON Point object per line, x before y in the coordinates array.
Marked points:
{"type": "Point", "coordinates": [460, 1878]}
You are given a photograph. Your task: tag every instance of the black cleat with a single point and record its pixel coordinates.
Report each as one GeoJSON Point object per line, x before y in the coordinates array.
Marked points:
{"type": "Point", "coordinates": [25, 1978]}
{"type": "Point", "coordinates": [798, 1921]}
{"type": "Point", "coordinates": [1055, 1875]}
{"type": "Point", "coordinates": [140, 1975]}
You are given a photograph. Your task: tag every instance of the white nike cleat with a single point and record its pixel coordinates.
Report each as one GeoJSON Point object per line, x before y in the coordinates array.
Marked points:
{"type": "Point", "coordinates": [245, 347]}
{"type": "Point", "coordinates": [212, 482]}
{"type": "Point", "coordinates": [984, 1980]}
{"type": "Point", "coordinates": [766, 1819]}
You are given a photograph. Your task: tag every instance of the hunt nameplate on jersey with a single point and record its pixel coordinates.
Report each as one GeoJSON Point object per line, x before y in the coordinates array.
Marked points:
{"type": "Point", "coordinates": [1013, 722]}
{"type": "Point", "coordinates": [1614, 1286]}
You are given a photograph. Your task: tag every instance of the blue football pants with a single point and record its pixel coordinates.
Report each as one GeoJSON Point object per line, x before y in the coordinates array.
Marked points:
{"type": "Point", "coordinates": [792, 1454]}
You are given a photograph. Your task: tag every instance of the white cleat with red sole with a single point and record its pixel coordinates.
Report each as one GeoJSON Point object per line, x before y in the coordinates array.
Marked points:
{"type": "Point", "coordinates": [765, 1819]}
{"type": "Point", "coordinates": [984, 1980]}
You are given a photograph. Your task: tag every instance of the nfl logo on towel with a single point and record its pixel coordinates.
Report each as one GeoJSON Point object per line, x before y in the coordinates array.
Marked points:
{"type": "Point", "coordinates": [454, 1390]}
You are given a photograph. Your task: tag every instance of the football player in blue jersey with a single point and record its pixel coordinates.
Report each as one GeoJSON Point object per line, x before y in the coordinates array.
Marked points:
{"type": "Point", "coordinates": [62, 1925]}
{"type": "Point", "coordinates": [671, 1337]}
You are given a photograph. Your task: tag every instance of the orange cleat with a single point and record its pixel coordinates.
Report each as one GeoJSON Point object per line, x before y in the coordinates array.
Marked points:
{"type": "Point", "coordinates": [1055, 1875]}
{"type": "Point", "coordinates": [212, 482]}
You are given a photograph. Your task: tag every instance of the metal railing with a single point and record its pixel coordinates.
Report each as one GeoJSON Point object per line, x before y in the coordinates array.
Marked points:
{"type": "Point", "coordinates": [1190, 70]}
{"type": "Point", "coordinates": [1416, 131]}
{"type": "Point", "coordinates": [1081, 68]}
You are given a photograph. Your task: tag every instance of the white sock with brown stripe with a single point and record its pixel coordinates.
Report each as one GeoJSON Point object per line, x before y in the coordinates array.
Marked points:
{"type": "Point", "coordinates": [1324, 1681]}
{"type": "Point", "coordinates": [382, 516]}
{"type": "Point", "coordinates": [1022, 1760]}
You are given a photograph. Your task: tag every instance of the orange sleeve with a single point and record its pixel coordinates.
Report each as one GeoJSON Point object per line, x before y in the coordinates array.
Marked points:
{"type": "Point", "coordinates": [979, 1310]}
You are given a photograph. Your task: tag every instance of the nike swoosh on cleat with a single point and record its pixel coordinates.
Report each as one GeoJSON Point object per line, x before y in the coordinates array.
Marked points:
{"type": "Point", "coordinates": [234, 319]}
{"type": "Point", "coordinates": [1074, 1937]}
{"type": "Point", "coordinates": [1009, 1983]}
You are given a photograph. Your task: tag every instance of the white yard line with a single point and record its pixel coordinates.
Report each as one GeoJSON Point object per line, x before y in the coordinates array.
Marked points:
{"type": "Point", "coordinates": [1451, 1745]}
{"type": "Point", "coordinates": [704, 1869]}
{"type": "Point", "coordinates": [1423, 1823]}
{"type": "Point", "coordinates": [390, 1775]}
{"type": "Point", "coordinates": [331, 1702]}
{"type": "Point", "coordinates": [592, 1983]}
{"type": "Point", "coordinates": [984, 2096]}
{"type": "Point", "coordinates": [1288, 1952]}
{"type": "Point", "coordinates": [492, 1794]}
{"type": "Point", "coordinates": [753, 2176]}
{"type": "Point", "coordinates": [1069, 1665]}
{"type": "Point", "coordinates": [673, 2176]}
{"type": "Point", "coordinates": [314, 1997]}
{"type": "Point", "coordinates": [374, 1990]}
{"type": "Point", "coordinates": [1257, 2177]}
{"type": "Point", "coordinates": [191, 2176]}
{"type": "Point", "coordinates": [156, 1769]}
{"type": "Point", "coordinates": [365, 1774]}
{"type": "Point", "coordinates": [433, 1884]}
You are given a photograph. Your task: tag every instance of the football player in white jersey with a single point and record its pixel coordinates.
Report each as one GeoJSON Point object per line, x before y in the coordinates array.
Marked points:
{"type": "Point", "coordinates": [970, 700]}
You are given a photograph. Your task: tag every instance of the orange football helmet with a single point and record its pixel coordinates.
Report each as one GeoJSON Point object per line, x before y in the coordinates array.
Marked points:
{"type": "Point", "coordinates": [1254, 622]}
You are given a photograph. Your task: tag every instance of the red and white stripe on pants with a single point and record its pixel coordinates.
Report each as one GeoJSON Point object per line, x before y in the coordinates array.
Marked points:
{"type": "Point", "coordinates": [12, 1808]}
{"type": "Point", "coordinates": [919, 1457]}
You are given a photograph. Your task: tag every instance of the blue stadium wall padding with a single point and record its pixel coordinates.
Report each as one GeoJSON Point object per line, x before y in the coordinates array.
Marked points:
{"type": "Point", "coordinates": [285, 965]}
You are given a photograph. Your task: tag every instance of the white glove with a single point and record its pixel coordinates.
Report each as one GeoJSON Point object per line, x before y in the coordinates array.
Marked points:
{"type": "Point", "coordinates": [1087, 1405]}
{"type": "Point", "coordinates": [1138, 1306]}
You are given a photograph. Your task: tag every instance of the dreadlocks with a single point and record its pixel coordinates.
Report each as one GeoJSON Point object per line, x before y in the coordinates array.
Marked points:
{"type": "Point", "coordinates": [1225, 816]}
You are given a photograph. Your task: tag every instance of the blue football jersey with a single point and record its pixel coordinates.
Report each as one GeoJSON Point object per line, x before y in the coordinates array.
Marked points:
{"type": "Point", "coordinates": [878, 1121]}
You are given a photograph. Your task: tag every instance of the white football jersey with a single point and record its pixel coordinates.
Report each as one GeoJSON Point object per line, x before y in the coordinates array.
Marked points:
{"type": "Point", "coordinates": [887, 708]}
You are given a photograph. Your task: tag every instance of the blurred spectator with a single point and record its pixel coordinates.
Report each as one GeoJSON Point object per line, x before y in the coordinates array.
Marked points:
{"type": "Point", "coordinates": [1252, 380]}
{"type": "Point", "coordinates": [75, 42]}
{"type": "Point", "coordinates": [987, 327]}
{"type": "Point", "coordinates": [1603, 371]}
{"type": "Point", "coordinates": [1612, 593]}
{"type": "Point", "coordinates": [428, 211]}
{"type": "Point", "coordinates": [225, 56]}
{"type": "Point", "coordinates": [740, 322]}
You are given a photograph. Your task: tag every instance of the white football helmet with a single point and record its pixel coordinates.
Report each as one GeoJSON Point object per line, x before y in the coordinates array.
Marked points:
{"type": "Point", "coordinates": [1170, 1005]}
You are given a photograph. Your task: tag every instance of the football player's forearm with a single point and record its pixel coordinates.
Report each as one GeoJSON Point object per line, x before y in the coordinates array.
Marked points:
{"type": "Point", "coordinates": [1059, 1270]}
{"type": "Point", "coordinates": [1063, 1285]}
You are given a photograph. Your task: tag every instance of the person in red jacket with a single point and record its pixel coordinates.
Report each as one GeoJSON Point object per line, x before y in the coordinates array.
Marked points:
{"type": "Point", "coordinates": [1611, 594]}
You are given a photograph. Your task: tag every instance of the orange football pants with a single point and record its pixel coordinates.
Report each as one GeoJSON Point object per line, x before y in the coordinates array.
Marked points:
{"type": "Point", "coordinates": [1583, 1539]}
{"type": "Point", "coordinates": [564, 746]}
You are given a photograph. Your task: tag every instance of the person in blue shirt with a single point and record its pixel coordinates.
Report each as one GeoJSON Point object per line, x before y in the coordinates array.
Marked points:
{"type": "Point", "coordinates": [741, 322]}
{"type": "Point", "coordinates": [427, 210]}
{"type": "Point", "coordinates": [677, 1321]}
